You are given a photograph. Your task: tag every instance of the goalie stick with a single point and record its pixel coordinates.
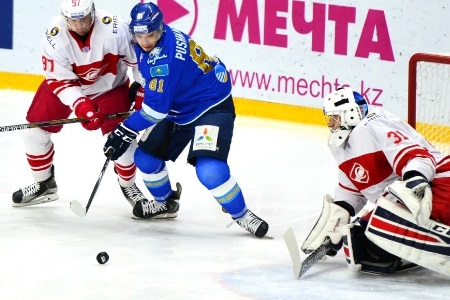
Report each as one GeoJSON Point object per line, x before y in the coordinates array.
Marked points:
{"type": "Point", "coordinates": [301, 267]}
{"type": "Point", "coordinates": [76, 206]}
{"type": "Point", "coordinates": [56, 122]}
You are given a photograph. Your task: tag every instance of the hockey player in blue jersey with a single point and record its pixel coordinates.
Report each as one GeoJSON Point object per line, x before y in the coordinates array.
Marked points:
{"type": "Point", "coordinates": [187, 100]}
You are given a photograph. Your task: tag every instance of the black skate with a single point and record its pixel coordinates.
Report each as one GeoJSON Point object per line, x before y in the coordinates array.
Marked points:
{"type": "Point", "coordinates": [132, 194]}
{"type": "Point", "coordinates": [253, 224]}
{"type": "Point", "coordinates": [145, 209]}
{"type": "Point", "coordinates": [37, 193]}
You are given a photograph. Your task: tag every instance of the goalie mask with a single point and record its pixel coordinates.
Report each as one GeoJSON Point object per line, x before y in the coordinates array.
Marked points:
{"type": "Point", "coordinates": [343, 110]}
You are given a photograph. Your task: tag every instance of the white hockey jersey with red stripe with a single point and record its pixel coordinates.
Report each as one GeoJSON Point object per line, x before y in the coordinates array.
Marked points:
{"type": "Point", "coordinates": [379, 151]}
{"type": "Point", "coordinates": [74, 68]}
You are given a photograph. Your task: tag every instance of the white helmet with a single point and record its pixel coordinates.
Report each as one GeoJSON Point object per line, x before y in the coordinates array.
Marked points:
{"type": "Point", "coordinates": [350, 106]}
{"type": "Point", "coordinates": [76, 9]}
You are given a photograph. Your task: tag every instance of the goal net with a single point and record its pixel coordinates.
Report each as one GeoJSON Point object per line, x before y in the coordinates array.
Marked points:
{"type": "Point", "coordinates": [429, 97]}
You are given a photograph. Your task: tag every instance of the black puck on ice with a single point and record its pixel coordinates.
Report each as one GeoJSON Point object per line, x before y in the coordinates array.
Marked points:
{"type": "Point", "coordinates": [102, 258]}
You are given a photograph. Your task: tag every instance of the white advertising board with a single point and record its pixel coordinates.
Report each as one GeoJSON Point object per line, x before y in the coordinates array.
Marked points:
{"type": "Point", "coordinates": [282, 51]}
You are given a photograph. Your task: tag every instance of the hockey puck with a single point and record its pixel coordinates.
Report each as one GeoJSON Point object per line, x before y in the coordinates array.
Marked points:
{"type": "Point", "coordinates": [102, 258]}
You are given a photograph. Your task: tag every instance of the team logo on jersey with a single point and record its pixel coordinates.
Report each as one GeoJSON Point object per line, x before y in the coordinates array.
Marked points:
{"type": "Point", "coordinates": [106, 20]}
{"type": "Point", "coordinates": [162, 70]}
{"type": "Point", "coordinates": [54, 31]}
{"type": "Point", "coordinates": [86, 49]}
{"type": "Point", "coordinates": [205, 138]}
{"type": "Point", "coordinates": [221, 73]}
{"type": "Point", "coordinates": [92, 74]}
{"type": "Point", "coordinates": [359, 174]}
{"type": "Point", "coordinates": [154, 56]}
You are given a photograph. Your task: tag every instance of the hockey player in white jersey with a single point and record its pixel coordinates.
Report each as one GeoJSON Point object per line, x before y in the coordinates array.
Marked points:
{"type": "Point", "coordinates": [383, 160]}
{"type": "Point", "coordinates": [86, 56]}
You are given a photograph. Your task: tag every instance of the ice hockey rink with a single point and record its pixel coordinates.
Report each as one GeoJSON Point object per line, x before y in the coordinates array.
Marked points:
{"type": "Point", "coordinates": [284, 169]}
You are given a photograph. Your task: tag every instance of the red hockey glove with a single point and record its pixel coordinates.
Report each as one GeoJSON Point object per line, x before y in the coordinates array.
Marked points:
{"type": "Point", "coordinates": [88, 109]}
{"type": "Point", "coordinates": [136, 95]}
{"type": "Point", "coordinates": [139, 98]}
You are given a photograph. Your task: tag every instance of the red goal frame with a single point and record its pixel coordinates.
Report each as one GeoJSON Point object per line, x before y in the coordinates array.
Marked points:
{"type": "Point", "coordinates": [412, 80]}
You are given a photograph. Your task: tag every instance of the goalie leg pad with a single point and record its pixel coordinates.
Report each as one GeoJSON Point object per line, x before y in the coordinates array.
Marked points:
{"type": "Point", "coordinates": [394, 229]}
{"type": "Point", "coordinates": [363, 255]}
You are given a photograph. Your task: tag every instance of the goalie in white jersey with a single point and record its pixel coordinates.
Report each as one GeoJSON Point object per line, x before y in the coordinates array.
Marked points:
{"type": "Point", "coordinates": [86, 56]}
{"type": "Point", "coordinates": [383, 160]}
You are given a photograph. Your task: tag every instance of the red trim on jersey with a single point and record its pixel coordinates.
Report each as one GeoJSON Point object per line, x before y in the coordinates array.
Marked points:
{"type": "Point", "coordinates": [443, 165]}
{"type": "Point", "coordinates": [87, 39]}
{"type": "Point", "coordinates": [130, 63]}
{"type": "Point", "coordinates": [406, 154]}
{"type": "Point", "coordinates": [367, 170]}
{"type": "Point", "coordinates": [57, 86]}
{"type": "Point", "coordinates": [349, 189]}
{"type": "Point", "coordinates": [89, 73]}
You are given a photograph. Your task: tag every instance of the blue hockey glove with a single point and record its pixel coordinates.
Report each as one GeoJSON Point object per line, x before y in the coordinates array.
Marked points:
{"type": "Point", "coordinates": [118, 141]}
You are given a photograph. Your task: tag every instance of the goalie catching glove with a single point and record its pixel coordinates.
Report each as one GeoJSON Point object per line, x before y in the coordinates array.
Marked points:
{"type": "Point", "coordinates": [415, 193]}
{"type": "Point", "coordinates": [118, 141]}
{"type": "Point", "coordinates": [331, 220]}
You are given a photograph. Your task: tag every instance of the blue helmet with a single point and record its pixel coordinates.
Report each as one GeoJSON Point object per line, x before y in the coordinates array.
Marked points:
{"type": "Point", "coordinates": [362, 103]}
{"type": "Point", "coordinates": [145, 18]}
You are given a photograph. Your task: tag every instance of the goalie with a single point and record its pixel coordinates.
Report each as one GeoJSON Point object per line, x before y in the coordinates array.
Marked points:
{"type": "Point", "coordinates": [383, 160]}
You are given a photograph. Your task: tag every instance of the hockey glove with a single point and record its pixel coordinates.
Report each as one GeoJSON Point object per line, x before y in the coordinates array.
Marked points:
{"type": "Point", "coordinates": [88, 109]}
{"type": "Point", "coordinates": [415, 193]}
{"type": "Point", "coordinates": [332, 218]}
{"type": "Point", "coordinates": [136, 95]}
{"type": "Point", "coordinates": [118, 141]}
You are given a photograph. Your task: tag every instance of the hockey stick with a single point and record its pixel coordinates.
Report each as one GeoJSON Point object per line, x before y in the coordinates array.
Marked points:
{"type": "Point", "coordinates": [56, 122]}
{"type": "Point", "coordinates": [76, 206]}
{"type": "Point", "coordinates": [300, 267]}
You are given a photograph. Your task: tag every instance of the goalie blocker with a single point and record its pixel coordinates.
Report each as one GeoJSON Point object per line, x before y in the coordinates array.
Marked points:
{"type": "Point", "coordinates": [391, 240]}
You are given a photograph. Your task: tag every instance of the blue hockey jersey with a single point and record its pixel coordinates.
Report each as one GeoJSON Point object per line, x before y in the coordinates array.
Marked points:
{"type": "Point", "coordinates": [180, 80]}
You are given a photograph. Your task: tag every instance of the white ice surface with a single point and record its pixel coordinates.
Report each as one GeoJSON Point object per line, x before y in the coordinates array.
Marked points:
{"type": "Point", "coordinates": [284, 169]}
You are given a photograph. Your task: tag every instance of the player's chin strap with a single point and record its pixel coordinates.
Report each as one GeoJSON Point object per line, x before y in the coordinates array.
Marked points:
{"type": "Point", "coordinates": [394, 228]}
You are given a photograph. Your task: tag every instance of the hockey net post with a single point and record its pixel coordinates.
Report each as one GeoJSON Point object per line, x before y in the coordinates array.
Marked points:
{"type": "Point", "coordinates": [429, 97]}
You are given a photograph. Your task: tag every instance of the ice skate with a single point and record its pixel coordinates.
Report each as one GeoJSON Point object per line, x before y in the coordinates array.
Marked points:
{"type": "Point", "coordinates": [133, 194]}
{"type": "Point", "coordinates": [145, 209]}
{"type": "Point", "coordinates": [37, 193]}
{"type": "Point", "coordinates": [253, 224]}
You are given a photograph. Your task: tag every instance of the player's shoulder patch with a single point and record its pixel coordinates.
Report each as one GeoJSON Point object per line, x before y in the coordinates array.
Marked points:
{"type": "Point", "coordinates": [110, 22]}
{"type": "Point", "coordinates": [107, 20]}
{"type": "Point", "coordinates": [371, 117]}
{"type": "Point", "coordinates": [55, 33]}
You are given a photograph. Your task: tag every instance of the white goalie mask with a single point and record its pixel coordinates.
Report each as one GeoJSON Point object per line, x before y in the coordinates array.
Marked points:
{"type": "Point", "coordinates": [343, 110]}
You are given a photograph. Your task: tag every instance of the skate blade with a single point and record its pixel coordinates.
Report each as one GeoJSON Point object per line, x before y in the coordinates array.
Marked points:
{"type": "Point", "coordinates": [161, 216]}
{"type": "Point", "coordinates": [39, 200]}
